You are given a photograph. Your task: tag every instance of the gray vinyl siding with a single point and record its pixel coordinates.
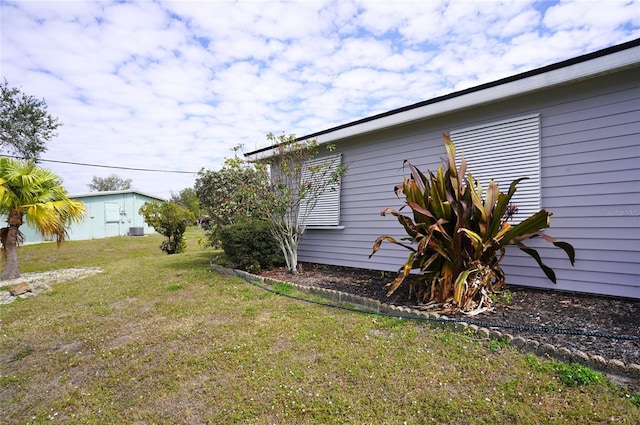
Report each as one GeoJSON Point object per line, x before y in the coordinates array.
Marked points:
{"type": "Point", "coordinates": [590, 180]}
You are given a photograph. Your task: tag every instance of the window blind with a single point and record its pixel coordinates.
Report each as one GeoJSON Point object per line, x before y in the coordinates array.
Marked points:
{"type": "Point", "coordinates": [505, 151]}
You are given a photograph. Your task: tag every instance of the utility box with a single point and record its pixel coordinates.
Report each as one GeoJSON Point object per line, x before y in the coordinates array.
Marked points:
{"type": "Point", "coordinates": [136, 231]}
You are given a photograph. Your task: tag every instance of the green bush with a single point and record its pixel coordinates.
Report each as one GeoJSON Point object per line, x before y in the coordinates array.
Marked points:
{"type": "Point", "coordinates": [250, 246]}
{"type": "Point", "coordinates": [170, 220]}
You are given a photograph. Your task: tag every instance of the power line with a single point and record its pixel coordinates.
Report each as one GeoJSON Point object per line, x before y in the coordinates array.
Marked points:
{"type": "Point", "coordinates": [108, 166]}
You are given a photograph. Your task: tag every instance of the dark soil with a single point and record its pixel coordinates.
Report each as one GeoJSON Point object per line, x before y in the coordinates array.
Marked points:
{"type": "Point", "coordinates": [528, 307]}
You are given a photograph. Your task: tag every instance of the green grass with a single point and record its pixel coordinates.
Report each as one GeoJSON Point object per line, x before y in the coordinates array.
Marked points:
{"type": "Point", "coordinates": [576, 374]}
{"type": "Point", "coordinates": [498, 344]}
{"type": "Point", "coordinates": [162, 339]}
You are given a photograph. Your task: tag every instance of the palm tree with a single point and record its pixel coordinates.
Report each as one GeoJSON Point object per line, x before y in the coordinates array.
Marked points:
{"type": "Point", "coordinates": [35, 195]}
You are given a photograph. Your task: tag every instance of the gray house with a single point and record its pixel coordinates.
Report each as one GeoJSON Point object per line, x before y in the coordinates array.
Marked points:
{"type": "Point", "coordinates": [573, 128]}
{"type": "Point", "coordinates": [113, 213]}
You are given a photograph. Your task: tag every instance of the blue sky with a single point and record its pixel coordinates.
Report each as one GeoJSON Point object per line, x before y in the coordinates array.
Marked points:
{"type": "Point", "coordinates": [174, 85]}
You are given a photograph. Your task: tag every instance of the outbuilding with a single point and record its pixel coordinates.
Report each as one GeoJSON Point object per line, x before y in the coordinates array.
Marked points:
{"type": "Point", "coordinates": [111, 213]}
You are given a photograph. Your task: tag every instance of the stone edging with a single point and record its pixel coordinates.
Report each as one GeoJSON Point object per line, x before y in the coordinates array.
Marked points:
{"type": "Point", "coordinates": [596, 362]}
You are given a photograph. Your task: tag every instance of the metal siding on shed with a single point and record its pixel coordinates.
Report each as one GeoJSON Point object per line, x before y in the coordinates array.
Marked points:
{"type": "Point", "coordinates": [122, 208]}
{"type": "Point", "coordinates": [590, 181]}
{"type": "Point", "coordinates": [124, 204]}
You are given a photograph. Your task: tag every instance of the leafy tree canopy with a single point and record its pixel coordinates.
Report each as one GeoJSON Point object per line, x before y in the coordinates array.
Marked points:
{"type": "Point", "coordinates": [188, 199]}
{"type": "Point", "coordinates": [271, 189]}
{"type": "Point", "coordinates": [170, 220]}
{"type": "Point", "coordinates": [228, 196]}
{"type": "Point", "coordinates": [112, 182]}
{"type": "Point", "coordinates": [25, 125]}
{"type": "Point", "coordinates": [287, 202]}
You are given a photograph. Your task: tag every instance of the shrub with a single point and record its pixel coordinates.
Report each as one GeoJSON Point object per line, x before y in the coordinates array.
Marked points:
{"type": "Point", "coordinates": [228, 196]}
{"type": "Point", "coordinates": [458, 233]}
{"type": "Point", "coordinates": [170, 220]}
{"type": "Point", "coordinates": [250, 246]}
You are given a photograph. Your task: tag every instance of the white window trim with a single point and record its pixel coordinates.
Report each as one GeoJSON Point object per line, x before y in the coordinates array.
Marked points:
{"type": "Point", "coordinates": [505, 151]}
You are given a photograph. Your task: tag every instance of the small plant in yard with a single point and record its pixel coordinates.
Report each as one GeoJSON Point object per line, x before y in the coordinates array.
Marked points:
{"type": "Point", "coordinates": [222, 195]}
{"type": "Point", "coordinates": [21, 354]}
{"type": "Point", "coordinates": [635, 399]}
{"type": "Point", "coordinates": [457, 234]}
{"type": "Point", "coordinates": [281, 190]}
{"type": "Point", "coordinates": [498, 344]}
{"type": "Point", "coordinates": [170, 220]}
{"type": "Point", "coordinates": [504, 296]}
{"type": "Point", "coordinates": [297, 179]}
{"type": "Point", "coordinates": [537, 365]}
{"type": "Point", "coordinates": [282, 288]}
{"type": "Point", "coordinates": [575, 374]}
{"type": "Point", "coordinates": [571, 375]}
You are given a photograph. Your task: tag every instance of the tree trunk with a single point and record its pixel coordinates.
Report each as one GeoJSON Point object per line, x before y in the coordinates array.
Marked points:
{"type": "Point", "coordinates": [288, 241]}
{"type": "Point", "coordinates": [293, 260]}
{"type": "Point", "coordinates": [11, 247]}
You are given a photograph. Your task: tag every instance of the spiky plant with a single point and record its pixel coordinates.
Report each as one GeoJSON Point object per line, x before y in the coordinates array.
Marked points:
{"type": "Point", "coordinates": [457, 235]}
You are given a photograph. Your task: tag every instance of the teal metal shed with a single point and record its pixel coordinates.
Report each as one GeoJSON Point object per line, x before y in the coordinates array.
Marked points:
{"type": "Point", "coordinates": [112, 213]}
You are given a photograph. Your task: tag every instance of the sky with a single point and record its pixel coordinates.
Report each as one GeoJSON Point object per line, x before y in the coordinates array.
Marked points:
{"type": "Point", "coordinates": [173, 86]}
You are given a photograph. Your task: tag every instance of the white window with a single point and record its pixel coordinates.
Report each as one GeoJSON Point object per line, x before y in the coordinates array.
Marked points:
{"type": "Point", "coordinates": [505, 151]}
{"type": "Point", "coordinates": [326, 211]}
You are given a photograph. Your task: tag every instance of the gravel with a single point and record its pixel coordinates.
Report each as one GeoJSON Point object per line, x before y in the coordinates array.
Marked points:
{"type": "Point", "coordinates": [42, 281]}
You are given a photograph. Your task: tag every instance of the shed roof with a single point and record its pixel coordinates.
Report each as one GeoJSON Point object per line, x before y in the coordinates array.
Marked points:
{"type": "Point", "coordinates": [114, 192]}
{"type": "Point", "coordinates": [591, 65]}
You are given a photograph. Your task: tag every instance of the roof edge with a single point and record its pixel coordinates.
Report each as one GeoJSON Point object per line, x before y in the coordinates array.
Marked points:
{"type": "Point", "coordinates": [115, 192]}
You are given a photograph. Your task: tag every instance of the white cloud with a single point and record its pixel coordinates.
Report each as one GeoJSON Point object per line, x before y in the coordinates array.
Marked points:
{"type": "Point", "coordinates": [173, 85]}
{"type": "Point", "coordinates": [610, 15]}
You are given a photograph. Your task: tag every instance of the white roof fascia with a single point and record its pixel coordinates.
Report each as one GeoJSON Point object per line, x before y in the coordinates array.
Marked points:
{"type": "Point", "coordinates": [579, 71]}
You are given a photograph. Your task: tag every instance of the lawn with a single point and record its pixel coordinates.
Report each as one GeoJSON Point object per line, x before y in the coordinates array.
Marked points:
{"type": "Point", "coordinates": [162, 339]}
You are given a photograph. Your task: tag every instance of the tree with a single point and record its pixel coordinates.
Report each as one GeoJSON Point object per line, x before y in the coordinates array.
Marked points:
{"type": "Point", "coordinates": [35, 195]}
{"type": "Point", "coordinates": [106, 184]}
{"type": "Point", "coordinates": [287, 202]}
{"type": "Point", "coordinates": [188, 199]}
{"type": "Point", "coordinates": [25, 125]}
{"type": "Point", "coordinates": [271, 189]}
{"type": "Point", "coordinates": [170, 220]}
{"type": "Point", "coordinates": [226, 195]}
